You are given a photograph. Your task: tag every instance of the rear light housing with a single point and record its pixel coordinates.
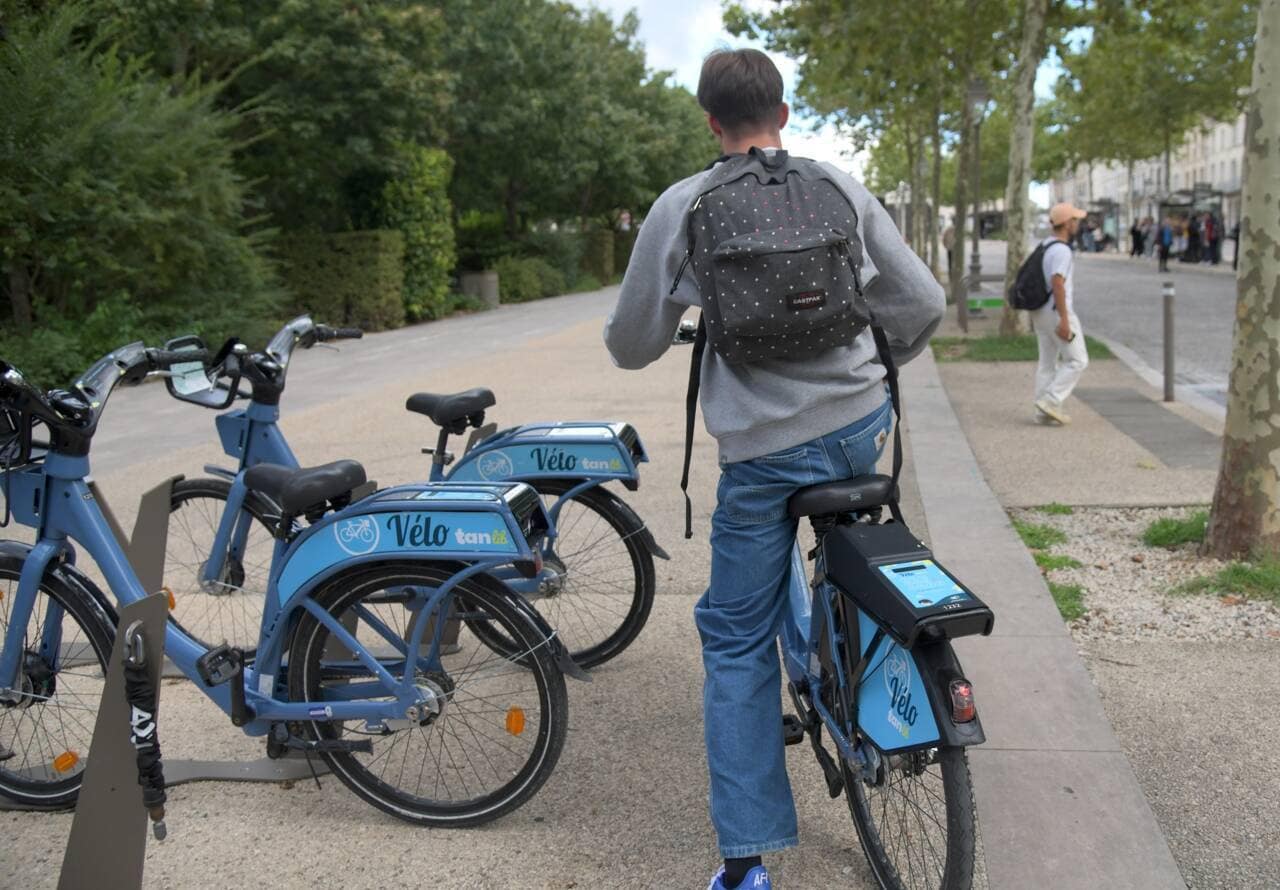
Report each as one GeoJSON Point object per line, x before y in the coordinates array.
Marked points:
{"type": "Point", "coordinates": [963, 709]}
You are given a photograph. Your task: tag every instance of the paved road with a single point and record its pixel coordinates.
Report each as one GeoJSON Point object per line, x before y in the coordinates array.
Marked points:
{"type": "Point", "coordinates": [1119, 298]}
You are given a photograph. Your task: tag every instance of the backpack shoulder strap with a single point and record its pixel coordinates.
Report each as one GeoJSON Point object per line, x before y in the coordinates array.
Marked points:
{"type": "Point", "coordinates": [690, 415]}
{"type": "Point", "coordinates": [895, 398]}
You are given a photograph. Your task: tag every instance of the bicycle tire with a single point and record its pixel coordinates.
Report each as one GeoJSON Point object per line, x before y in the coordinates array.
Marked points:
{"type": "Point", "coordinates": [479, 594]}
{"type": "Point", "coordinates": [954, 871]}
{"type": "Point", "coordinates": [212, 616]}
{"type": "Point", "coordinates": [81, 691]}
{"type": "Point", "coordinates": [594, 625]}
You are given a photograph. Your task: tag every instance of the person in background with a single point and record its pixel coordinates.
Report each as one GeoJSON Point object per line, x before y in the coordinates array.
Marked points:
{"type": "Point", "coordinates": [1191, 254]}
{"type": "Point", "coordinates": [1135, 238]}
{"type": "Point", "coordinates": [949, 241]}
{"type": "Point", "coordinates": [1213, 235]}
{"type": "Point", "coordinates": [1063, 356]}
{"type": "Point", "coordinates": [1235, 252]}
{"type": "Point", "coordinates": [1165, 243]}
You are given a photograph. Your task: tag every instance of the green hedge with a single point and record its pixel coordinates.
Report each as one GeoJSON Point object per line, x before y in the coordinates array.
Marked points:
{"type": "Point", "coordinates": [349, 278]}
{"type": "Point", "coordinates": [623, 243]}
{"type": "Point", "coordinates": [562, 250]}
{"type": "Point", "coordinates": [521, 279]}
{"type": "Point", "coordinates": [597, 254]}
{"type": "Point", "coordinates": [416, 203]}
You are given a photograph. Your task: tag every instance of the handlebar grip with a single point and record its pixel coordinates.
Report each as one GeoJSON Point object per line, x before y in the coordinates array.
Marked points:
{"type": "Point", "coordinates": [348, 333]}
{"type": "Point", "coordinates": [163, 359]}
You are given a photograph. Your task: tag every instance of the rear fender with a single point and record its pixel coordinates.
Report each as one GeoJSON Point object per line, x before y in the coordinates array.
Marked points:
{"type": "Point", "coordinates": [569, 450]}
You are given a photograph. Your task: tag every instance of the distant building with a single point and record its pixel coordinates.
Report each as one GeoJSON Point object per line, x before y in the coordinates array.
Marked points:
{"type": "Point", "coordinates": [1205, 173]}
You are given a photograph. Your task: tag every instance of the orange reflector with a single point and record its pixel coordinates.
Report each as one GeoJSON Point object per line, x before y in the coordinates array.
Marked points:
{"type": "Point", "coordinates": [515, 720]}
{"type": "Point", "coordinates": [66, 761]}
{"type": "Point", "coordinates": [169, 593]}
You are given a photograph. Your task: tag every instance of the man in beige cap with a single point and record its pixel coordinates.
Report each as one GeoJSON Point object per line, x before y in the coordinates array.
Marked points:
{"type": "Point", "coordinates": [1063, 357]}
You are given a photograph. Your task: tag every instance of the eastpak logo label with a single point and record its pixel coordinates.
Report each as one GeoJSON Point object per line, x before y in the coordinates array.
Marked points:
{"type": "Point", "coordinates": [808, 299]}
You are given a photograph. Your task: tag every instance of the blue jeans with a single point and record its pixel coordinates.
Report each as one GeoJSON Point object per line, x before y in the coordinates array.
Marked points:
{"type": "Point", "coordinates": [740, 617]}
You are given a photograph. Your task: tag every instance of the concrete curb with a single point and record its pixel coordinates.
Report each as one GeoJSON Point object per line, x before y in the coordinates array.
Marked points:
{"type": "Point", "coordinates": [1188, 395]}
{"type": "Point", "coordinates": [1058, 803]}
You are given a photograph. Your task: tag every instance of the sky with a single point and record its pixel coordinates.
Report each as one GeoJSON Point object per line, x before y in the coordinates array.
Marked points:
{"type": "Point", "coordinates": [678, 34]}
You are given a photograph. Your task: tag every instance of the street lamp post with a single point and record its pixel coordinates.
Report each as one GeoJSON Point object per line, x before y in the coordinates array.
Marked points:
{"type": "Point", "coordinates": [977, 96]}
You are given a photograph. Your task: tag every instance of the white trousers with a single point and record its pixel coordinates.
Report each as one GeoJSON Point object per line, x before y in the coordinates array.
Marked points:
{"type": "Point", "coordinates": [1061, 363]}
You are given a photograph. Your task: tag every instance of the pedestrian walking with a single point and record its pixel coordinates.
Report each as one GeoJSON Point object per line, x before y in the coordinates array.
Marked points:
{"type": "Point", "coordinates": [1213, 232]}
{"type": "Point", "coordinates": [1135, 239]}
{"type": "Point", "coordinates": [819, 414]}
{"type": "Point", "coordinates": [1063, 356]}
{"type": "Point", "coordinates": [1235, 247]}
{"type": "Point", "coordinates": [1165, 243]}
{"type": "Point", "coordinates": [949, 241]}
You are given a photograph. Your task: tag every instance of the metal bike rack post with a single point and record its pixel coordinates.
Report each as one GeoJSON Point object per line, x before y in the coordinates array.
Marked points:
{"type": "Point", "coordinates": [1167, 292]}
{"type": "Point", "coordinates": [109, 833]}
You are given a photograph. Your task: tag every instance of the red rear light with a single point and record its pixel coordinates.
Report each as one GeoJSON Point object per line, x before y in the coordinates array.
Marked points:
{"type": "Point", "coordinates": [963, 710]}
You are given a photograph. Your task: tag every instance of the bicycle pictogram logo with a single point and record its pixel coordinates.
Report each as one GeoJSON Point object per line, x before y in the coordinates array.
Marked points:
{"type": "Point", "coordinates": [357, 536]}
{"type": "Point", "coordinates": [495, 466]}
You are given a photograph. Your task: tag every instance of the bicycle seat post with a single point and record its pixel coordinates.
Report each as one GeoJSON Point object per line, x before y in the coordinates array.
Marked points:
{"type": "Point", "coordinates": [440, 457]}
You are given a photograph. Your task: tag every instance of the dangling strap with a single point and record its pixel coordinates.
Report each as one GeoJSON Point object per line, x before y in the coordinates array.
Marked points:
{"type": "Point", "coordinates": [891, 377]}
{"type": "Point", "coordinates": [690, 415]}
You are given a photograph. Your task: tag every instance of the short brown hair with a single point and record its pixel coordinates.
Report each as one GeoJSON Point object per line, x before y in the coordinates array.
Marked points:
{"type": "Point", "coordinates": [740, 88]}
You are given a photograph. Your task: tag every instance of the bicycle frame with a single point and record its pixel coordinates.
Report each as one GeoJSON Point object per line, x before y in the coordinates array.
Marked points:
{"type": "Point", "coordinates": [54, 498]}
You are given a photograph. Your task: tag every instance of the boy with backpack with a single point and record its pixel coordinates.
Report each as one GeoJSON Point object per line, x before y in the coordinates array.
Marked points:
{"type": "Point", "coordinates": [794, 265]}
{"type": "Point", "coordinates": [1044, 287]}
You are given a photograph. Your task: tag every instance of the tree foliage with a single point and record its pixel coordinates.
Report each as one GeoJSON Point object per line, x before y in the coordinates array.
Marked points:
{"type": "Point", "coordinates": [415, 201]}
{"type": "Point", "coordinates": [121, 208]}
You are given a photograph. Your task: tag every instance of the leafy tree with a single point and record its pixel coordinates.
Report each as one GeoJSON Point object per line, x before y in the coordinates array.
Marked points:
{"type": "Point", "coordinates": [415, 201]}
{"type": "Point", "coordinates": [121, 212]}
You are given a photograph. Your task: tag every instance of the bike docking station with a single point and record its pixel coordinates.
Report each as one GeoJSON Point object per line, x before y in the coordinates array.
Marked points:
{"type": "Point", "coordinates": [123, 782]}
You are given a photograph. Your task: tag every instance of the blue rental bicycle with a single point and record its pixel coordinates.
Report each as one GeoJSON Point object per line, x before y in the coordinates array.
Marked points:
{"type": "Point", "coordinates": [868, 656]}
{"type": "Point", "coordinates": [350, 662]}
{"type": "Point", "coordinates": [596, 584]}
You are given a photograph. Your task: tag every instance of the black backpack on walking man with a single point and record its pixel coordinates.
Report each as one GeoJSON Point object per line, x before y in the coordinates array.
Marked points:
{"type": "Point", "coordinates": [1029, 290]}
{"type": "Point", "coordinates": [773, 242]}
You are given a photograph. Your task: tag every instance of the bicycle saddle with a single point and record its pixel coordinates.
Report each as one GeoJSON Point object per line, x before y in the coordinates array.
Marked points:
{"type": "Point", "coordinates": [859, 493]}
{"type": "Point", "coordinates": [452, 410]}
{"type": "Point", "coordinates": [298, 490]}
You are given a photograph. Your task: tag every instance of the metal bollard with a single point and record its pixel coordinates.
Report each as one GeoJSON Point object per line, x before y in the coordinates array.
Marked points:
{"type": "Point", "coordinates": [1167, 291]}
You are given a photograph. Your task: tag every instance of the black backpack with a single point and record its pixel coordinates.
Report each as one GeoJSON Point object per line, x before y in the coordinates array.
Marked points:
{"type": "Point", "coordinates": [1029, 290]}
{"type": "Point", "coordinates": [774, 244]}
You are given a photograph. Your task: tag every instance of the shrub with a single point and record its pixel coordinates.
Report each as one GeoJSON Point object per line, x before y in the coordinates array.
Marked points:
{"type": "Point", "coordinates": [597, 253]}
{"type": "Point", "coordinates": [563, 250]}
{"type": "Point", "coordinates": [585, 282]}
{"type": "Point", "coordinates": [482, 241]}
{"type": "Point", "coordinates": [416, 203]}
{"type": "Point", "coordinates": [528, 278]}
{"type": "Point", "coordinates": [122, 215]}
{"type": "Point", "coordinates": [349, 278]}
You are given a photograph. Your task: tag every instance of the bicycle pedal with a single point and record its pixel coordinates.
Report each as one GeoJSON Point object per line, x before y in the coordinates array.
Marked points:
{"type": "Point", "coordinates": [792, 730]}
{"type": "Point", "coordinates": [219, 665]}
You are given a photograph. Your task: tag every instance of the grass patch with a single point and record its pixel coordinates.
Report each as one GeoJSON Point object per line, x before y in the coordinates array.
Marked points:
{"type": "Point", "coordinates": [1069, 598]}
{"type": "Point", "coordinates": [994, 348]}
{"type": "Point", "coordinates": [1254, 580]}
{"type": "Point", "coordinates": [1037, 536]}
{"type": "Point", "coordinates": [1173, 532]}
{"type": "Point", "coordinates": [1055, 509]}
{"type": "Point", "coordinates": [1050, 562]}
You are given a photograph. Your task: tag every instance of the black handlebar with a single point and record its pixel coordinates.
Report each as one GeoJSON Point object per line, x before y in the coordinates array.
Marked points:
{"type": "Point", "coordinates": [325, 333]}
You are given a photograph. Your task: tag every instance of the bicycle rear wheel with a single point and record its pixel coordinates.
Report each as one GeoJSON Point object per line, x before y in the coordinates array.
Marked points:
{"type": "Point", "coordinates": [47, 720]}
{"type": "Point", "coordinates": [499, 731]}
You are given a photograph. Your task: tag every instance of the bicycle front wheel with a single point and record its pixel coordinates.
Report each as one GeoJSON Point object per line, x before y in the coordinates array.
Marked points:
{"type": "Point", "coordinates": [498, 724]}
{"type": "Point", "coordinates": [47, 718]}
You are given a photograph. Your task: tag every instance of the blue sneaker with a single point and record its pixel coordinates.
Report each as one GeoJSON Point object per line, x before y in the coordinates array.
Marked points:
{"type": "Point", "coordinates": [756, 879]}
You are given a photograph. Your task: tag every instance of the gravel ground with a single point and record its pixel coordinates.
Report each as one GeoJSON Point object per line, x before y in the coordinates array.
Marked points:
{"type": "Point", "coordinates": [1188, 710]}
{"type": "Point", "coordinates": [1130, 587]}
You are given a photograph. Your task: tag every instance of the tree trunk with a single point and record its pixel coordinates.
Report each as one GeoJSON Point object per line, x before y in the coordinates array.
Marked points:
{"type": "Point", "coordinates": [1245, 519]}
{"type": "Point", "coordinates": [912, 213]}
{"type": "Point", "coordinates": [1030, 52]}
{"type": "Point", "coordinates": [20, 295]}
{"type": "Point", "coordinates": [935, 192]}
{"type": "Point", "coordinates": [923, 226]}
{"type": "Point", "coordinates": [959, 291]}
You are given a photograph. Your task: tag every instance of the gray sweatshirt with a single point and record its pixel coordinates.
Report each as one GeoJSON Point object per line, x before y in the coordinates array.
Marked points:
{"type": "Point", "coordinates": [760, 408]}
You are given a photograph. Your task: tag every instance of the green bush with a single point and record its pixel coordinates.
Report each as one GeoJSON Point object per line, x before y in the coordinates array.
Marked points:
{"type": "Point", "coordinates": [349, 278]}
{"type": "Point", "coordinates": [521, 279]}
{"type": "Point", "coordinates": [586, 282]}
{"type": "Point", "coordinates": [562, 250]}
{"type": "Point", "coordinates": [416, 203]}
{"type": "Point", "coordinates": [122, 215]}
{"type": "Point", "coordinates": [623, 244]}
{"type": "Point", "coordinates": [597, 253]}
{"type": "Point", "coordinates": [482, 241]}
